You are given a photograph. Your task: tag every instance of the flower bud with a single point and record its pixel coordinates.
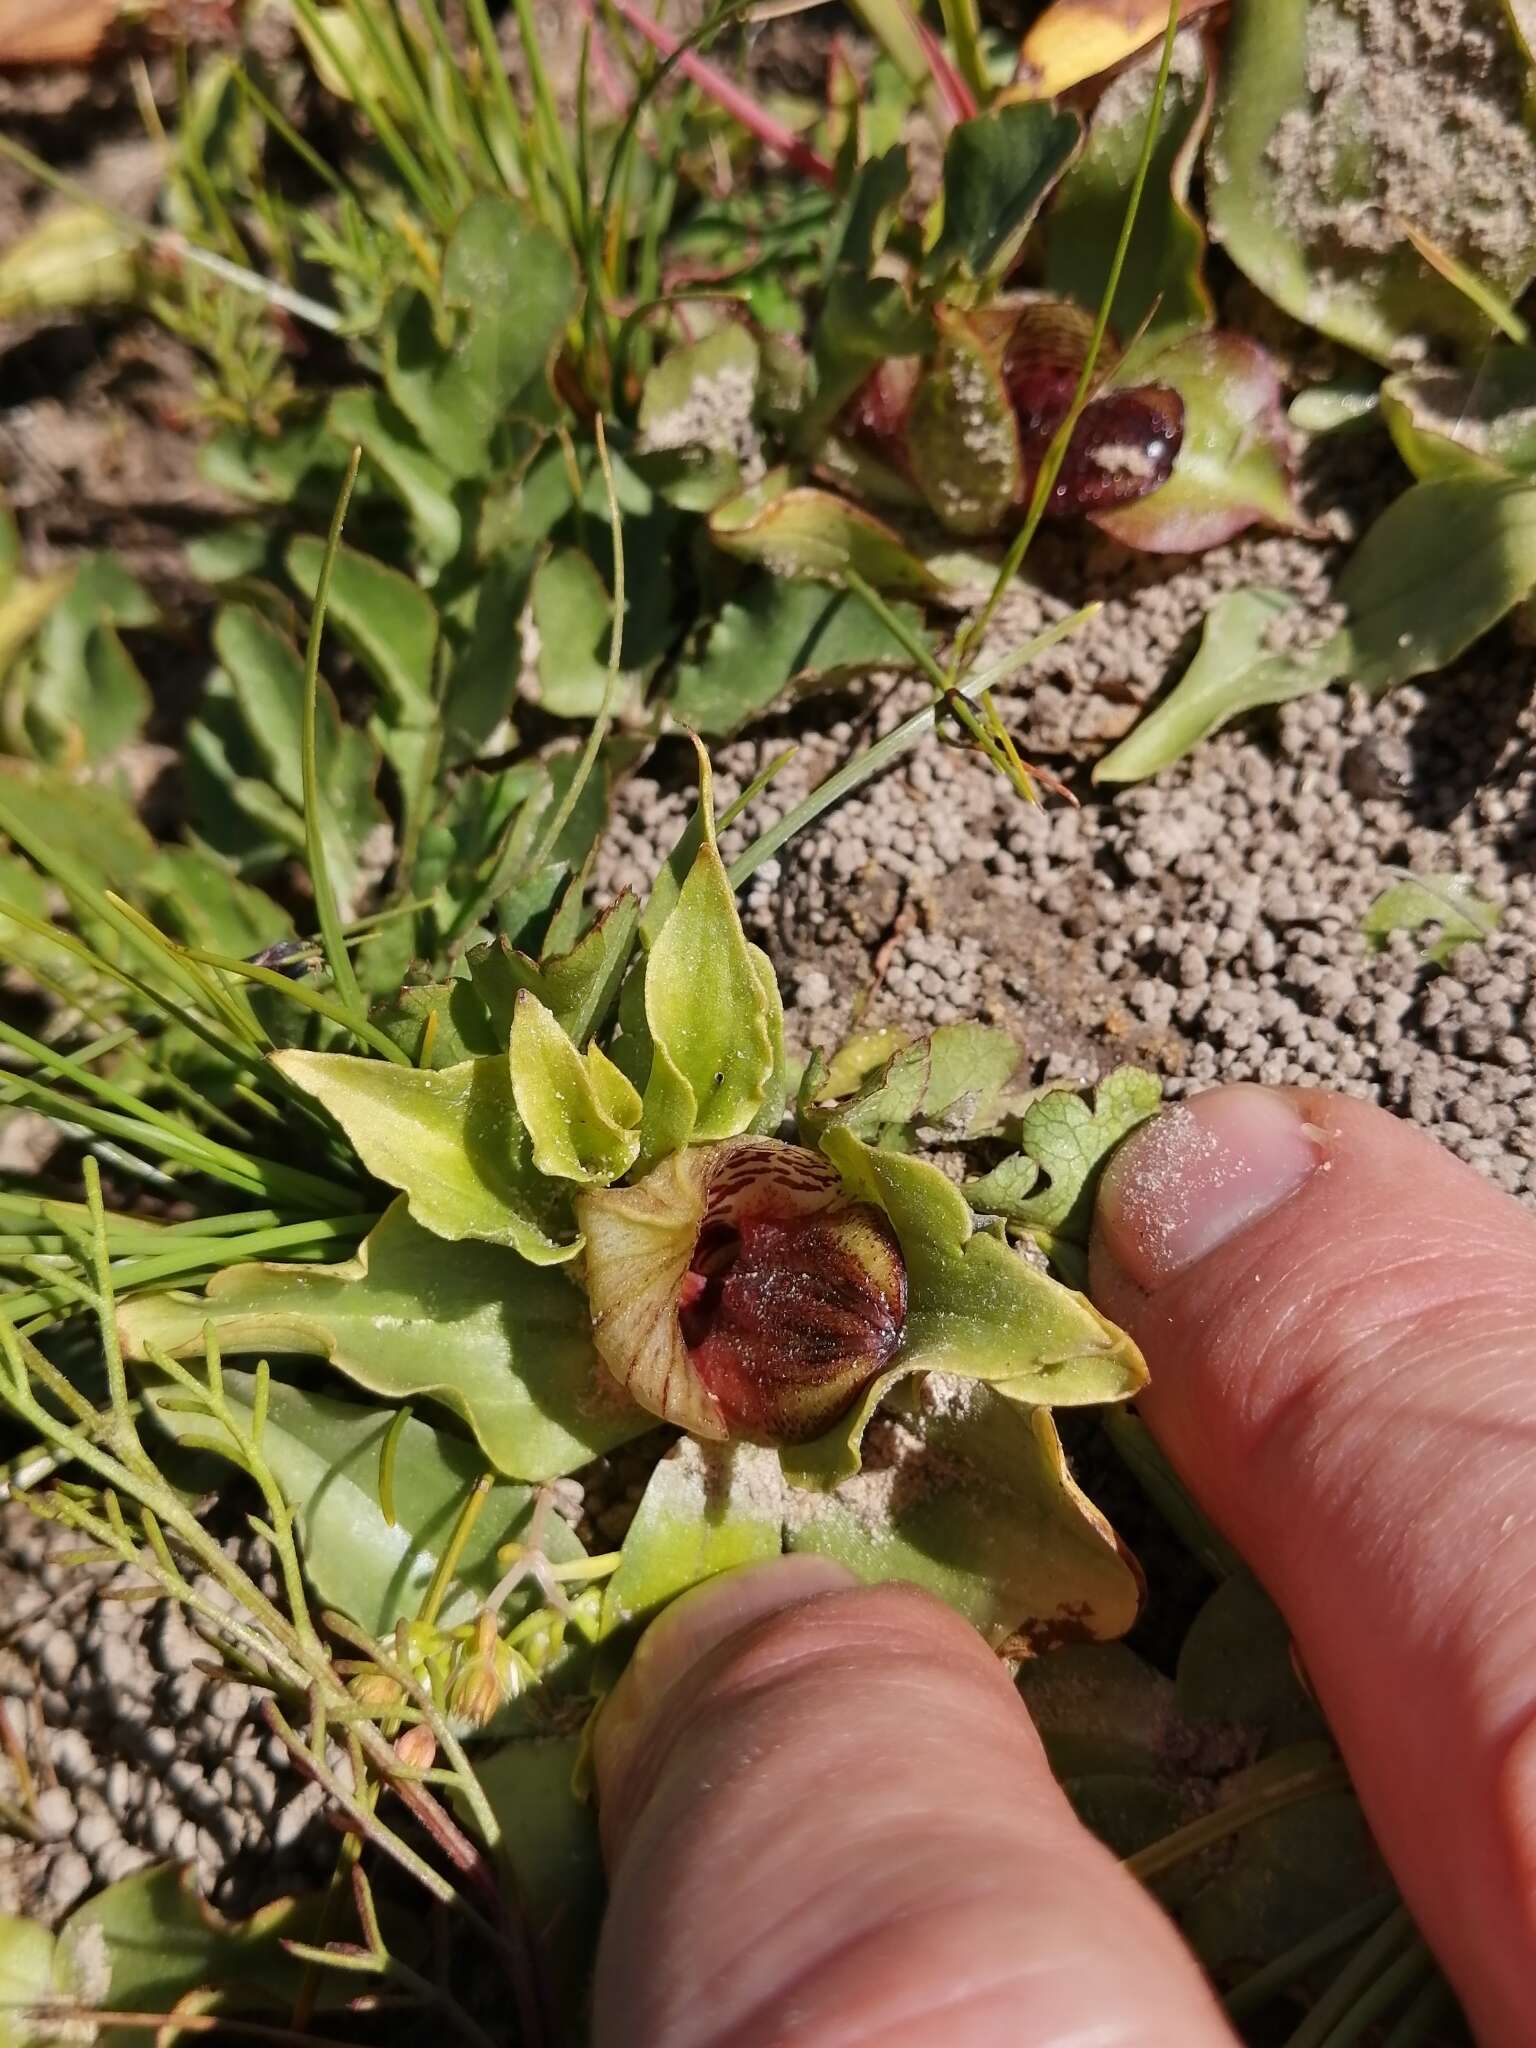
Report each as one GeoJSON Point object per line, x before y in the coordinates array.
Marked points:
{"type": "Point", "coordinates": [739, 1291]}
{"type": "Point", "coordinates": [485, 1676]}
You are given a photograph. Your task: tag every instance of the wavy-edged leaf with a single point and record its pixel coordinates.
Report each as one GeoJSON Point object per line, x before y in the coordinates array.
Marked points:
{"type": "Point", "coordinates": [967, 1494]}
{"type": "Point", "coordinates": [954, 1078]}
{"type": "Point", "coordinates": [1049, 1184]}
{"type": "Point", "coordinates": [504, 1344]}
{"type": "Point", "coordinates": [1236, 465]}
{"type": "Point", "coordinates": [451, 1141]}
{"type": "Point", "coordinates": [578, 987]}
{"type": "Point", "coordinates": [327, 1458]}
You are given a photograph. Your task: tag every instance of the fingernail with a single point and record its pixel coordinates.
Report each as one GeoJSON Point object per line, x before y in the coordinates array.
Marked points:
{"type": "Point", "coordinates": [673, 1646]}
{"type": "Point", "coordinates": [1197, 1175]}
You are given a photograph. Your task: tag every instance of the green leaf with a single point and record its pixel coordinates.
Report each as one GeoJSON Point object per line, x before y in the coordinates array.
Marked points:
{"type": "Point", "coordinates": [781, 634]}
{"type": "Point", "coordinates": [389, 624]}
{"type": "Point", "coordinates": [975, 1308]}
{"type": "Point", "coordinates": [1237, 1665]}
{"type": "Point", "coordinates": [195, 898]}
{"type": "Point", "coordinates": [967, 1494]}
{"type": "Point", "coordinates": [80, 696]}
{"type": "Point", "coordinates": [706, 1509]}
{"type": "Point", "coordinates": [162, 1940]}
{"type": "Point", "coordinates": [1235, 466]}
{"type": "Point", "coordinates": [502, 1343]}
{"type": "Point", "coordinates": [417, 478]}
{"type": "Point", "coordinates": [797, 530]}
{"type": "Point", "coordinates": [508, 289]}
{"type": "Point", "coordinates": [481, 690]}
{"type": "Point", "coordinates": [1445, 901]}
{"type": "Point", "coordinates": [572, 615]}
{"type": "Point", "coordinates": [1233, 671]}
{"type": "Point", "coordinates": [36, 1972]}
{"type": "Point", "coordinates": [998, 169]}
{"type": "Point", "coordinates": [266, 675]}
{"type": "Point", "coordinates": [550, 1858]}
{"type": "Point", "coordinates": [1473, 422]}
{"type": "Point", "coordinates": [452, 1141]}
{"type": "Point", "coordinates": [962, 435]}
{"type": "Point", "coordinates": [578, 987]}
{"type": "Point", "coordinates": [1162, 282]}
{"type": "Point", "coordinates": [1050, 1183]}
{"type": "Point", "coordinates": [705, 1008]}
{"type": "Point", "coordinates": [1441, 565]}
{"type": "Point", "coordinates": [954, 1079]}
{"type": "Point", "coordinates": [299, 469]}
{"type": "Point", "coordinates": [1298, 166]}
{"type": "Point", "coordinates": [75, 257]}
{"type": "Point", "coordinates": [581, 1114]}
{"type": "Point", "coordinates": [326, 1457]}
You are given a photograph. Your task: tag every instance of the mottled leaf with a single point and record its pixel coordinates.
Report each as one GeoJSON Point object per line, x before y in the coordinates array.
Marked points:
{"type": "Point", "coordinates": [953, 1079]}
{"type": "Point", "coordinates": [962, 437]}
{"type": "Point", "coordinates": [504, 1344]}
{"type": "Point", "coordinates": [1049, 1184]}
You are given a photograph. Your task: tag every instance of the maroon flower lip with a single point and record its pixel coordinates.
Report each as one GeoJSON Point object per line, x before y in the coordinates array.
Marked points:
{"type": "Point", "coordinates": [785, 1321]}
{"type": "Point", "coordinates": [739, 1291]}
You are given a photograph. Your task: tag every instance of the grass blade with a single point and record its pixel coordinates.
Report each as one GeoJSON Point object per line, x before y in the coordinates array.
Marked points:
{"type": "Point", "coordinates": [343, 975]}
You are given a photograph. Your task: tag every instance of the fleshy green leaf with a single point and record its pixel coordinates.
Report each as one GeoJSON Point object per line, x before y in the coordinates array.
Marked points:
{"type": "Point", "coordinates": [706, 1509]}
{"type": "Point", "coordinates": [679, 388]}
{"type": "Point", "coordinates": [36, 1972]}
{"type": "Point", "coordinates": [161, 1940]}
{"type": "Point", "coordinates": [416, 477]}
{"type": "Point", "coordinates": [1475, 422]}
{"type": "Point", "coordinates": [1447, 902]}
{"type": "Point", "coordinates": [1235, 465]}
{"type": "Point", "coordinates": [1234, 670]}
{"type": "Point", "coordinates": [976, 1307]}
{"type": "Point", "coordinates": [967, 1494]}
{"type": "Point", "coordinates": [79, 696]}
{"type": "Point", "coordinates": [797, 530]}
{"type": "Point", "coordinates": [572, 614]}
{"type": "Point", "coordinates": [452, 1141]}
{"type": "Point", "coordinates": [1049, 1184]}
{"type": "Point", "coordinates": [578, 987]}
{"type": "Point", "coordinates": [508, 289]}
{"type": "Point", "coordinates": [962, 436]}
{"type": "Point", "coordinates": [954, 1079]}
{"type": "Point", "coordinates": [582, 1116]}
{"type": "Point", "coordinates": [505, 1344]}
{"type": "Point", "coordinates": [781, 634]}
{"type": "Point", "coordinates": [1161, 282]}
{"type": "Point", "coordinates": [1299, 163]}
{"type": "Point", "coordinates": [997, 170]}
{"type": "Point", "coordinates": [705, 1008]}
{"type": "Point", "coordinates": [326, 1458]}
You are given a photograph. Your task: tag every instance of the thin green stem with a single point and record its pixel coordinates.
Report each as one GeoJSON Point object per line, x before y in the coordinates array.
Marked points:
{"type": "Point", "coordinates": [1279, 1974]}
{"type": "Point", "coordinates": [339, 960]}
{"type": "Point", "coordinates": [1422, 2020]}
{"type": "Point", "coordinates": [1391, 1938]}
{"type": "Point", "coordinates": [884, 751]}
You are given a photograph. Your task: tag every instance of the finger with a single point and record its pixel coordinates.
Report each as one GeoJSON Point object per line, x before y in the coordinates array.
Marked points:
{"type": "Point", "coordinates": [1340, 1320]}
{"type": "Point", "coordinates": [828, 1819]}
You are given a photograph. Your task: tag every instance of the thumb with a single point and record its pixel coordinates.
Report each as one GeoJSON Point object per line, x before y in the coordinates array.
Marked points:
{"type": "Point", "coordinates": [827, 1818]}
{"type": "Point", "coordinates": [1340, 1321]}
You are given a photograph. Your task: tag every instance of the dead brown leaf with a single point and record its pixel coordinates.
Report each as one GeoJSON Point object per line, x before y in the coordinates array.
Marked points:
{"type": "Point", "coordinates": [1077, 39]}
{"type": "Point", "coordinates": [54, 31]}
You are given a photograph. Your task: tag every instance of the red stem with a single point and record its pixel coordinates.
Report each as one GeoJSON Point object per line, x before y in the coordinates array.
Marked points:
{"type": "Point", "coordinates": [952, 88]}
{"type": "Point", "coordinates": [738, 104]}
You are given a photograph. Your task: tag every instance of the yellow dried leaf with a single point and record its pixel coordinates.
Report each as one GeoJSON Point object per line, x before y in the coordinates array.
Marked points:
{"type": "Point", "coordinates": [1078, 39]}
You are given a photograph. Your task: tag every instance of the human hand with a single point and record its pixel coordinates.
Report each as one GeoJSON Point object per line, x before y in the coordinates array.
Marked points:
{"type": "Point", "coordinates": [825, 1813]}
